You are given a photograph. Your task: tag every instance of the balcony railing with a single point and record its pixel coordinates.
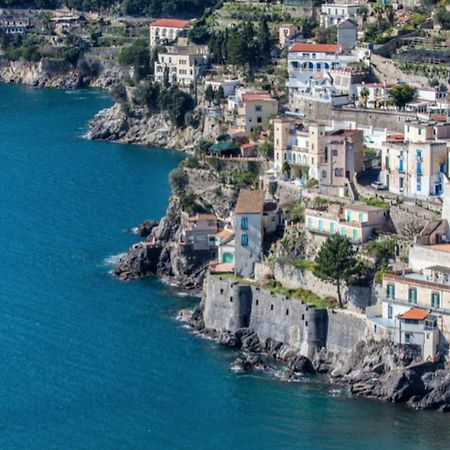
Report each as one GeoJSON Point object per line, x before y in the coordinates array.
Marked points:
{"type": "Point", "coordinates": [418, 304]}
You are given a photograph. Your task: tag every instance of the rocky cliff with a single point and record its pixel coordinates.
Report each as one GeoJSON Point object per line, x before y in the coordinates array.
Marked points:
{"type": "Point", "coordinates": [114, 124]}
{"type": "Point", "coordinates": [58, 74]}
{"type": "Point", "coordinates": [173, 261]}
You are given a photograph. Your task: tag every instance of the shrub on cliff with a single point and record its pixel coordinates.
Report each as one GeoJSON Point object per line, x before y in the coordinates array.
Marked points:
{"type": "Point", "coordinates": [137, 56]}
{"type": "Point", "coordinates": [178, 180]}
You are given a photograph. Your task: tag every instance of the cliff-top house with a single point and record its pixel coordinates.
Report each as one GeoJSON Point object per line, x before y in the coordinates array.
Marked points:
{"type": "Point", "coordinates": [164, 31]}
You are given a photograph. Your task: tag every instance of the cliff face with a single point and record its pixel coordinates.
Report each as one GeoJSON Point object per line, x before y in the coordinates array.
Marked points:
{"type": "Point", "coordinates": [173, 261]}
{"type": "Point", "coordinates": [57, 74]}
{"type": "Point", "coordinates": [138, 128]}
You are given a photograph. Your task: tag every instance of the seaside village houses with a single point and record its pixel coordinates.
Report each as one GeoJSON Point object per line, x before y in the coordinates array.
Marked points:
{"type": "Point", "coordinates": [333, 158]}
{"type": "Point", "coordinates": [415, 303]}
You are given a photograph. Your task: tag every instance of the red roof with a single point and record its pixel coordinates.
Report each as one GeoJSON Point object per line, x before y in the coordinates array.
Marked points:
{"type": "Point", "coordinates": [439, 118]}
{"type": "Point", "coordinates": [248, 146]}
{"type": "Point", "coordinates": [415, 314]}
{"type": "Point", "coordinates": [318, 48]}
{"type": "Point", "coordinates": [257, 97]}
{"type": "Point", "coordinates": [170, 23]}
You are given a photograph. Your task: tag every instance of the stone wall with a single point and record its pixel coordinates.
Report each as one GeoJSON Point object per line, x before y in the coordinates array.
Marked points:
{"type": "Point", "coordinates": [230, 305]}
{"type": "Point", "coordinates": [358, 297]}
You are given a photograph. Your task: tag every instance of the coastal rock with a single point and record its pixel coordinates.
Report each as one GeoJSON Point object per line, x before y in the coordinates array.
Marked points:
{"type": "Point", "coordinates": [145, 228]}
{"type": "Point", "coordinates": [301, 364]}
{"type": "Point", "coordinates": [138, 127]}
{"type": "Point", "coordinates": [140, 261]}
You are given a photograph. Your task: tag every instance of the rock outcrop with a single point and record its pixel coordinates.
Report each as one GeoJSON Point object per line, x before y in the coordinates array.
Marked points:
{"type": "Point", "coordinates": [161, 254]}
{"type": "Point", "coordinates": [137, 127]}
{"type": "Point", "coordinates": [58, 74]}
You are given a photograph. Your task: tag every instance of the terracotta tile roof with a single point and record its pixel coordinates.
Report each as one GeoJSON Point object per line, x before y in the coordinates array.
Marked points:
{"type": "Point", "coordinates": [170, 23]}
{"type": "Point", "coordinates": [257, 97]}
{"type": "Point", "coordinates": [225, 234]}
{"type": "Point", "coordinates": [415, 314]}
{"type": "Point", "coordinates": [250, 202]}
{"type": "Point", "coordinates": [318, 48]}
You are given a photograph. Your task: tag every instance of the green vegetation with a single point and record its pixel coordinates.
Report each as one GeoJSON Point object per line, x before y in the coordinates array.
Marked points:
{"type": "Point", "coordinates": [302, 294]}
{"type": "Point", "coordinates": [242, 179]}
{"type": "Point", "coordinates": [304, 264]}
{"type": "Point", "coordinates": [242, 46]}
{"type": "Point", "coordinates": [401, 94]}
{"type": "Point", "coordinates": [137, 56]}
{"type": "Point", "coordinates": [382, 250]}
{"type": "Point", "coordinates": [373, 201]}
{"type": "Point", "coordinates": [297, 211]}
{"type": "Point", "coordinates": [336, 262]}
{"type": "Point", "coordinates": [442, 17]}
{"type": "Point", "coordinates": [155, 8]}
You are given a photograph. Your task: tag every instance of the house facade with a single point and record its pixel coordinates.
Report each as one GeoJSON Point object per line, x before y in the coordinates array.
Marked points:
{"type": "Point", "coordinates": [249, 232]}
{"type": "Point", "coordinates": [200, 231]}
{"type": "Point", "coordinates": [415, 166]}
{"type": "Point", "coordinates": [342, 159]}
{"type": "Point", "coordinates": [163, 31]}
{"type": "Point", "coordinates": [249, 109]}
{"type": "Point", "coordinates": [415, 309]}
{"type": "Point", "coordinates": [184, 64]}
{"type": "Point", "coordinates": [332, 14]}
{"type": "Point", "coordinates": [357, 222]}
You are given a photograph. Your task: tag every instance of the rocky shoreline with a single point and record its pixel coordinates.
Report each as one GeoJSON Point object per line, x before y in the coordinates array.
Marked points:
{"type": "Point", "coordinates": [47, 73]}
{"type": "Point", "coordinates": [379, 370]}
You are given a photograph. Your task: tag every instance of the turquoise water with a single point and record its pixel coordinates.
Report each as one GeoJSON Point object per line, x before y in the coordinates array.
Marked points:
{"type": "Point", "coordinates": [88, 362]}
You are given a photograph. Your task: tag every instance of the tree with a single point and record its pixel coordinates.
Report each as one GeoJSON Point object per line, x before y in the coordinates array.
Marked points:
{"type": "Point", "coordinates": [219, 95]}
{"type": "Point", "coordinates": [442, 17]}
{"type": "Point", "coordinates": [401, 94]}
{"type": "Point", "coordinates": [137, 55]}
{"type": "Point", "coordinates": [166, 79]}
{"type": "Point", "coordinates": [265, 43]}
{"type": "Point", "coordinates": [209, 94]}
{"type": "Point", "coordinates": [336, 263]}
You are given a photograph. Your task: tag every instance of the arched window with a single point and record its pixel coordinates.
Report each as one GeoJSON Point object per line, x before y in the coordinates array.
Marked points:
{"type": "Point", "coordinates": [324, 173]}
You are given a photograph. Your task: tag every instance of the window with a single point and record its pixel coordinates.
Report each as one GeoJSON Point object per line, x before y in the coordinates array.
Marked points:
{"type": "Point", "coordinates": [244, 223]}
{"type": "Point", "coordinates": [320, 225]}
{"type": "Point", "coordinates": [408, 338]}
{"type": "Point", "coordinates": [361, 217]}
{"type": "Point", "coordinates": [435, 300]}
{"type": "Point", "coordinates": [309, 222]}
{"type": "Point", "coordinates": [258, 108]}
{"type": "Point", "coordinates": [419, 184]}
{"type": "Point", "coordinates": [412, 295]}
{"type": "Point", "coordinates": [390, 291]}
{"type": "Point", "coordinates": [332, 228]}
{"type": "Point", "coordinates": [420, 131]}
{"type": "Point", "coordinates": [343, 232]}
{"type": "Point", "coordinates": [419, 169]}
{"type": "Point", "coordinates": [390, 312]}
{"type": "Point", "coordinates": [355, 235]}
{"type": "Point", "coordinates": [244, 240]}
{"type": "Point", "coordinates": [419, 155]}
{"type": "Point", "coordinates": [324, 174]}
{"type": "Point", "coordinates": [259, 119]}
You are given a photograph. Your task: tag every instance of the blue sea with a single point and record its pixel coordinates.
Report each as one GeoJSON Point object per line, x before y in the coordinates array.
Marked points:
{"type": "Point", "coordinates": [89, 362]}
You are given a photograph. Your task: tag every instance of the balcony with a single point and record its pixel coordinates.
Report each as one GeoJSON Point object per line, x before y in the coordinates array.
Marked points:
{"type": "Point", "coordinates": [427, 306]}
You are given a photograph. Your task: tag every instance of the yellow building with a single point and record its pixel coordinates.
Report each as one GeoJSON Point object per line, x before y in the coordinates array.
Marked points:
{"type": "Point", "coordinates": [251, 109]}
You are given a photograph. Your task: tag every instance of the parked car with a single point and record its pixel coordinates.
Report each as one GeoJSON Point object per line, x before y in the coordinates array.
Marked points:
{"type": "Point", "coordinates": [378, 185]}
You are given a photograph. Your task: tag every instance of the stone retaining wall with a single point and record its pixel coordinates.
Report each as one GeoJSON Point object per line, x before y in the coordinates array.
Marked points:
{"type": "Point", "coordinates": [230, 305]}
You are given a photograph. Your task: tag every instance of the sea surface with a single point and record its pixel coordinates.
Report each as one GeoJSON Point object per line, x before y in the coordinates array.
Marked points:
{"type": "Point", "coordinates": [89, 362]}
